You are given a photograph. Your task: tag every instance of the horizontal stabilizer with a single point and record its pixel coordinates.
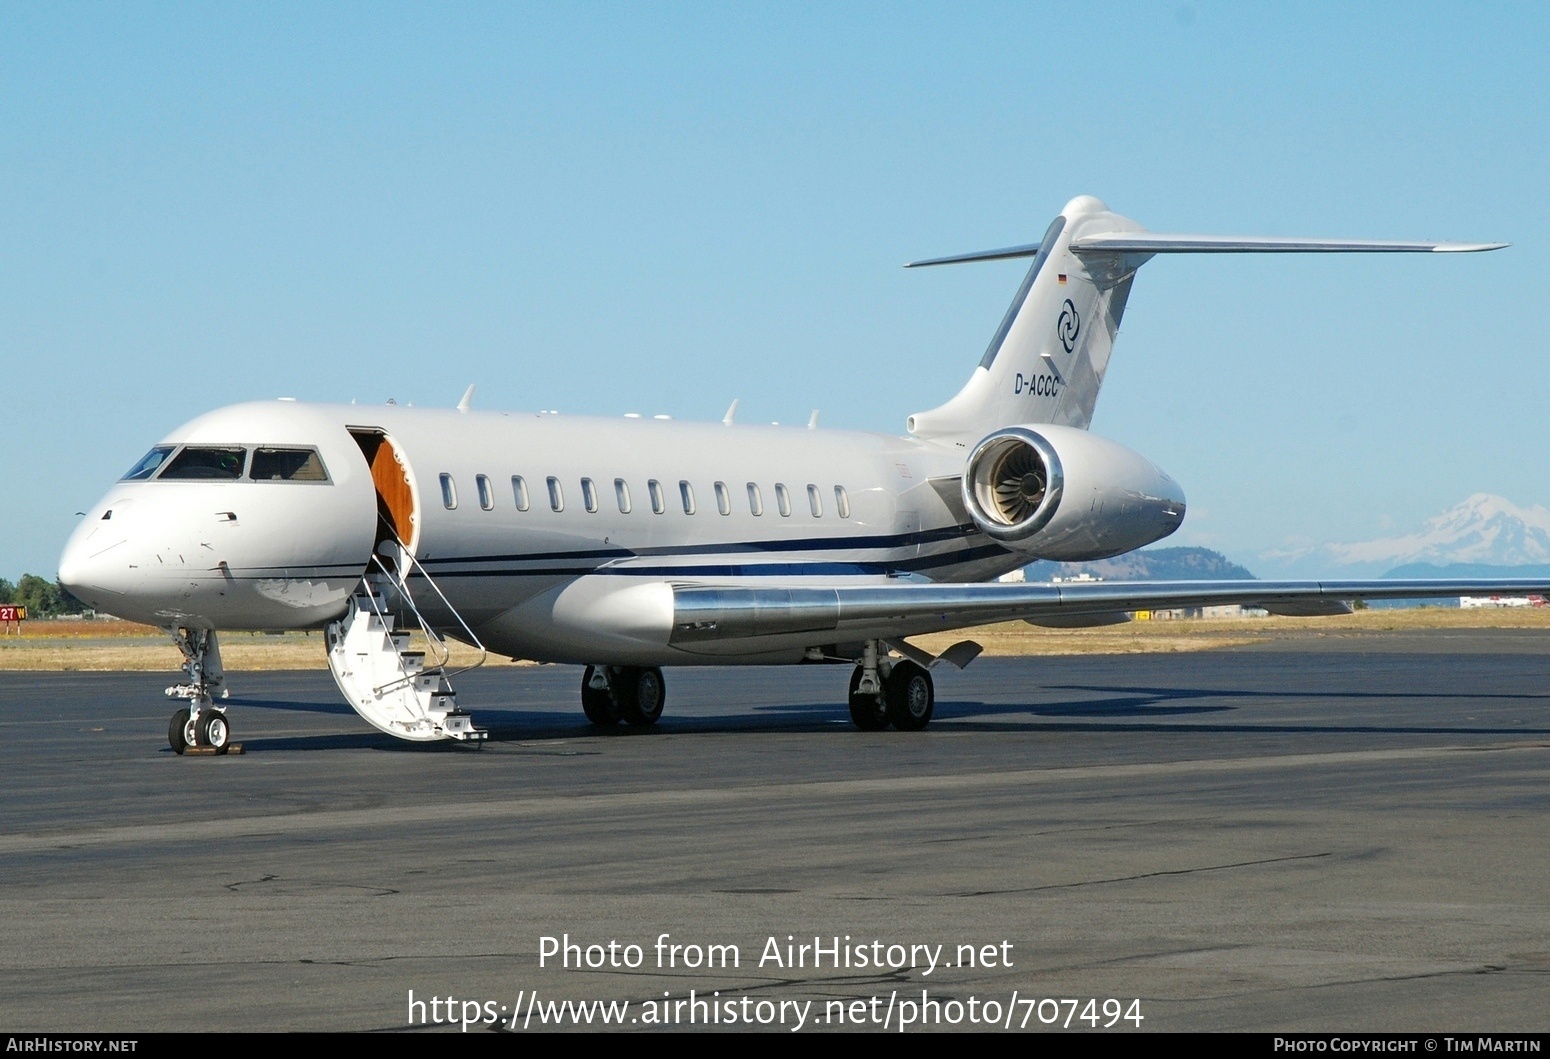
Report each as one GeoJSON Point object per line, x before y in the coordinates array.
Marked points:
{"type": "Point", "coordinates": [1161, 243]}
{"type": "Point", "coordinates": [979, 255]}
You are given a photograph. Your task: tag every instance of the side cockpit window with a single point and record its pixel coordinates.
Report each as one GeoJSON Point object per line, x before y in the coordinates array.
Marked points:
{"type": "Point", "coordinates": [148, 464]}
{"type": "Point", "coordinates": [287, 465]}
{"type": "Point", "coordinates": [205, 463]}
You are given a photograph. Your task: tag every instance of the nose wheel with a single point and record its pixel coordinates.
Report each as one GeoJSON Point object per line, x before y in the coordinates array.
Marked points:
{"type": "Point", "coordinates": [180, 731]}
{"type": "Point", "coordinates": [212, 728]}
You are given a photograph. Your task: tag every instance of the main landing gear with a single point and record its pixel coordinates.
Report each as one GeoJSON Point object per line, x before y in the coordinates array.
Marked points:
{"type": "Point", "coordinates": [886, 691]}
{"type": "Point", "coordinates": [202, 723]}
{"type": "Point", "coordinates": [632, 694]}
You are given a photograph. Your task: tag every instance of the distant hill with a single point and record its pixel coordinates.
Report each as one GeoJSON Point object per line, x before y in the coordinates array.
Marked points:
{"type": "Point", "coordinates": [1151, 564]}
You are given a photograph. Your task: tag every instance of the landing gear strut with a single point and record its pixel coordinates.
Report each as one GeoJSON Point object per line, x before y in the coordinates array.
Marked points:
{"type": "Point", "coordinates": [632, 694]}
{"type": "Point", "coordinates": [202, 723]}
{"type": "Point", "coordinates": [886, 691]}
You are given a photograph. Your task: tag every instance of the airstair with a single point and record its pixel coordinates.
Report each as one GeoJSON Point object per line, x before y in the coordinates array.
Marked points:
{"type": "Point", "coordinates": [397, 690]}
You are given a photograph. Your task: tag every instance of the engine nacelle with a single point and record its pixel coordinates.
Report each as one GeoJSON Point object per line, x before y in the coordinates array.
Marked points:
{"type": "Point", "coordinates": [1054, 492]}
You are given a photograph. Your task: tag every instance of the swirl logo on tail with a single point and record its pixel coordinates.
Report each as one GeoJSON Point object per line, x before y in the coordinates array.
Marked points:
{"type": "Point", "coordinates": [1069, 326]}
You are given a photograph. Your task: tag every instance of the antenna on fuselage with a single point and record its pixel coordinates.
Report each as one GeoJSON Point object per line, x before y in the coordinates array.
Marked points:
{"type": "Point", "coordinates": [726, 420]}
{"type": "Point", "coordinates": [468, 399]}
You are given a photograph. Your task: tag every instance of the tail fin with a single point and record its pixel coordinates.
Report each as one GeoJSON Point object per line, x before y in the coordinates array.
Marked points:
{"type": "Point", "coordinates": [1047, 360]}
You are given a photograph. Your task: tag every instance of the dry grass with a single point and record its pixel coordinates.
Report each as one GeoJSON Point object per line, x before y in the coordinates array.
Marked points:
{"type": "Point", "coordinates": [119, 646]}
{"type": "Point", "coordinates": [1205, 634]}
{"type": "Point", "coordinates": [114, 646]}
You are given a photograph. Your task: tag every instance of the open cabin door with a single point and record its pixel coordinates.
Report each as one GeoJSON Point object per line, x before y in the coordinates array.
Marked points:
{"type": "Point", "coordinates": [397, 513]}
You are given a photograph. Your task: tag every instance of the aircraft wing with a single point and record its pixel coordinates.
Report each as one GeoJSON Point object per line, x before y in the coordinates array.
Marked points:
{"type": "Point", "coordinates": [703, 613]}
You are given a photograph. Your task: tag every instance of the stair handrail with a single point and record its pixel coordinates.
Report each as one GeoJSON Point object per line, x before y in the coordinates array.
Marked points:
{"type": "Point", "coordinates": [383, 616]}
{"type": "Point", "coordinates": [402, 581]}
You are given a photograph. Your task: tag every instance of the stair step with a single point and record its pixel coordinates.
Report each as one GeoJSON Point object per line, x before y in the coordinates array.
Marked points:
{"type": "Point", "coordinates": [386, 682]}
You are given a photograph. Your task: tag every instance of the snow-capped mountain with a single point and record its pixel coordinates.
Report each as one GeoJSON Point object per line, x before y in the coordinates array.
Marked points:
{"type": "Point", "coordinates": [1484, 530]}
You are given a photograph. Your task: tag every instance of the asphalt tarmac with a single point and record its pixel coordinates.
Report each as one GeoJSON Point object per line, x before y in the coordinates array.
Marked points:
{"type": "Point", "coordinates": [1335, 835]}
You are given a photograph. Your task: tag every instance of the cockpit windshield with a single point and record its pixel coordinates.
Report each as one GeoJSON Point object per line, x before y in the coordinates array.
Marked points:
{"type": "Point", "coordinates": [205, 463]}
{"type": "Point", "coordinates": [287, 465]}
{"type": "Point", "coordinates": [148, 464]}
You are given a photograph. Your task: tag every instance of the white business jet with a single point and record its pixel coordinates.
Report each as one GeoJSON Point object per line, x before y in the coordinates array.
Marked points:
{"type": "Point", "coordinates": [631, 544]}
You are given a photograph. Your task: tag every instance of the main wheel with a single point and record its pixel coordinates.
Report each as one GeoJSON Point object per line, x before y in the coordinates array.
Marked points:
{"type": "Point", "coordinates": [642, 694]}
{"type": "Point", "coordinates": [597, 703]}
{"type": "Point", "coordinates": [214, 730]}
{"type": "Point", "coordinates": [866, 712]}
{"type": "Point", "coordinates": [910, 695]}
{"type": "Point", "coordinates": [180, 733]}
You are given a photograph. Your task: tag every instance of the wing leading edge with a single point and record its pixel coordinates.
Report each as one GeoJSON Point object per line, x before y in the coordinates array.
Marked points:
{"type": "Point", "coordinates": [703, 613]}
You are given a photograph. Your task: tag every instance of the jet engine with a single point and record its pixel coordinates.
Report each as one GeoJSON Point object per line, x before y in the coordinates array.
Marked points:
{"type": "Point", "coordinates": [1054, 492]}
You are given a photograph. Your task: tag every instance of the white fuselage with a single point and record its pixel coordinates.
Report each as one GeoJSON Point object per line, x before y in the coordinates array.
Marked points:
{"type": "Point", "coordinates": [575, 584]}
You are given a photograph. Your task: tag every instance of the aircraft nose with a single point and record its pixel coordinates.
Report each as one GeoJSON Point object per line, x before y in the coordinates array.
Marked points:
{"type": "Point", "coordinates": [96, 571]}
{"type": "Point", "coordinates": [80, 576]}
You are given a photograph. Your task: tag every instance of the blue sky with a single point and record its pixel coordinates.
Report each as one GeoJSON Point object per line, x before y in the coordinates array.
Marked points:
{"type": "Point", "coordinates": [658, 208]}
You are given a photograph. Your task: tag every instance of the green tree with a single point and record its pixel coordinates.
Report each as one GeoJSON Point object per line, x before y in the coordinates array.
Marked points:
{"type": "Point", "coordinates": [37, 595]}
{"type": "Point", "coordinates": [7, 591]}
{"type": "Point", "coordinates": [45, 599]}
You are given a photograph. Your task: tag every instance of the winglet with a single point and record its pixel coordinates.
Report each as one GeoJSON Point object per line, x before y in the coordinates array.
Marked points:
{"type": "Point", "coordinates": [726, 420]}
{"type": "Point", "coordinates": [468, 399]}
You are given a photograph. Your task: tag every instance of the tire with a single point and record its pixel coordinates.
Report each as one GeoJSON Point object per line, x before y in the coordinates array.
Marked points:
{"type": "Point", "coordinates": [214, 730]}
{"type": "Point", "coordinates": [866, 713]}
{"type": "Point", "coordinates": [642, 694]}
{"type": "Point", "coordinates": [911, 696]}
{"type": "Point", "coordinates": [177, 732]}
{"type": "Point", "coordinates": [597, 703]}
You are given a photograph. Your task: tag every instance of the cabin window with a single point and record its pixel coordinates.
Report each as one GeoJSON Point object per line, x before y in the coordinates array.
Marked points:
{"type": "Point", "coordinates": [815, 500]}
{"type": "Point", "coordinates": [205, 464]}
{"type": "Point", "coordinates": [589, 495]}
{"type": "Point", "coordinates": [622, 494]}
{"type": "Point", "coordinates": [658, 500]}
{"type": "Point", "coordinates": [519, 491]}
{"type": "Point", "coordinates": [448, 492]}
{"type": "Point", "coordinates": [556, 497]}
{"type": "Point", "coordinates": [723, 498]}
{"type": "Point", "coordinates": [842, 501]}
{"type": "Point", "coordinates": [486, 494]}
{"type": "Point", "coordinates": [148, 463]}
{"type": "Point", "coordinates": [686, 494]}
{"type": "Point", "coordinates": [755, 499]}
{"type": "Point", "coordinates": [783, 499]}
{"type": "Point", "coordinates": [287, 465]}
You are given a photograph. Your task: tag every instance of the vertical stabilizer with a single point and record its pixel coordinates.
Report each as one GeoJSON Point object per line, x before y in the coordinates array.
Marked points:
{"type": "Point", "coordinates": [1046, 361]}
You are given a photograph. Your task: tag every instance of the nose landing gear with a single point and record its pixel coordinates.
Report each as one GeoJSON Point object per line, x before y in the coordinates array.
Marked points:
{"type": "Point", "coordinates": [202, 724]}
